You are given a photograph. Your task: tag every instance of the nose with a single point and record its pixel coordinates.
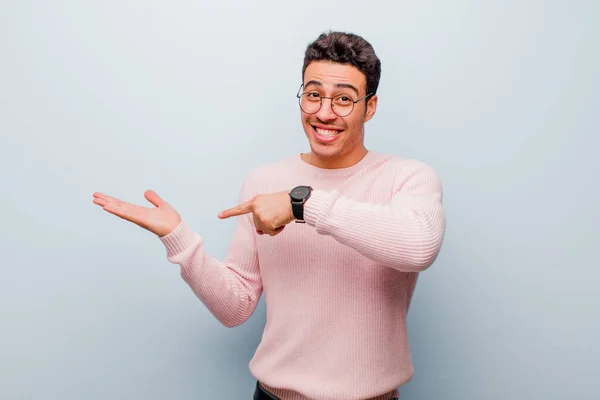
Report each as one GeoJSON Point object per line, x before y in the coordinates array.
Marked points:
{"type": "Point", "coordinates": [326, 112]}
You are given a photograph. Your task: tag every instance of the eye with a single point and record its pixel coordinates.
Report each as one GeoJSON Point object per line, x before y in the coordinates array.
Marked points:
{"type": "Point", "coordinates": [343, 100]}
{"type": "Point", "coordinates": [313, 95]}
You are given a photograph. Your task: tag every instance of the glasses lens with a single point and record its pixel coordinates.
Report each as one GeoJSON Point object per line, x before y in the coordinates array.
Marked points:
{"type": "Point", "coordinates": [342, 105]}
{"type": "Point", "coordinates": [310, 103]}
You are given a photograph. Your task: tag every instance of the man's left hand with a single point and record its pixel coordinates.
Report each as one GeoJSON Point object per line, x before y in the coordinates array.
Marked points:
{"type": "Point", "coordinates": [271, 212]}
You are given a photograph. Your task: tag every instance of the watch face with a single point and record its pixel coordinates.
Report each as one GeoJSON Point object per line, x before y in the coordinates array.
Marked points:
{"type": "Point", "coordinates": [300, 192]}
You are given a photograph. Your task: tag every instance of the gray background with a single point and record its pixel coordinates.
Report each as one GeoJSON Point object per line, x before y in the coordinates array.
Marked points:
{"type": "Point", "coordinates": [186, 97]}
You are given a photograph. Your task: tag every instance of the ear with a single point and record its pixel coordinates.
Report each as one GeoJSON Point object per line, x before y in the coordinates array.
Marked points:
{"type": "Point", "coordinates": [371, 107]}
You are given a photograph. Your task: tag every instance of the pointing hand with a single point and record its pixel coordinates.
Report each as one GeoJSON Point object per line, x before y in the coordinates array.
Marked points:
{"type": "Point", "coordinates": [271, 212]}
{"type": "Point", "coordinates": [160, 220]}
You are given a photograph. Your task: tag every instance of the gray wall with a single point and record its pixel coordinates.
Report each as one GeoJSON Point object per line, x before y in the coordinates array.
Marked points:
{"type": "Point", "coordinates": [185, 97]}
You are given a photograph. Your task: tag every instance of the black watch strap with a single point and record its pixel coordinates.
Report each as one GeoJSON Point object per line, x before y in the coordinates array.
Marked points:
{"type": "Point", "coordinates": [298, 210]}
{"type": "Point", "coordinates": [298, 197]}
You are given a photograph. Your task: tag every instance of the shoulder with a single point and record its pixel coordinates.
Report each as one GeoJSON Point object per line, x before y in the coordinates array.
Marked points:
{"type": "Point", "coordinates": [408, 173]}
{"type": "Point", "coordinates": [269, 171]}
{"type": "Point", "coordinates": [402, 166]}
{"type": "Point", "coordinates": [259, 177]}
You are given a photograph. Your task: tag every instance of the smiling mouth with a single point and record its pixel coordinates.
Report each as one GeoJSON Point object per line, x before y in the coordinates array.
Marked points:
{"type": "Point", "coordinates": [326, 133]}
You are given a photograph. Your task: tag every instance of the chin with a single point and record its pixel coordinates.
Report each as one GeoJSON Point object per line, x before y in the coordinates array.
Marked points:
{"type": "Point", "coordinates": [325, 152]}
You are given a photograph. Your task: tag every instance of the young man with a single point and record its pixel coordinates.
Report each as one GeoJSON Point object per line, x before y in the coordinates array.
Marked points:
{"type": "Point", "coordinates": [334, 238]}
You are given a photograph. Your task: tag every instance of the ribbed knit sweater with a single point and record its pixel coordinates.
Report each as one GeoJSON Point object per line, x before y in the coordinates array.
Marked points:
{"type": "Point", "coordinates": [337, 288]}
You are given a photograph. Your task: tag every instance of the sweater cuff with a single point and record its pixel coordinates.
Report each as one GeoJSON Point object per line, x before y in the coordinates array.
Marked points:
{"type": "Point", "coordinates": [314, 206]}
{"type": "Point", "coordinates": [179, 239]}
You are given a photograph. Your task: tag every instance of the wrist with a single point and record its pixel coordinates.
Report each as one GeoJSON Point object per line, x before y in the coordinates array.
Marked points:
{"type": "Point", "coordinates": [298, 197]}
{"type": "Point", "coordinates": [314, 208]}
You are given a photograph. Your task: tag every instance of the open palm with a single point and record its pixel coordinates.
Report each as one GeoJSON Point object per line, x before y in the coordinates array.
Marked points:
{"type": "Point", "coordinates": [160, 220]}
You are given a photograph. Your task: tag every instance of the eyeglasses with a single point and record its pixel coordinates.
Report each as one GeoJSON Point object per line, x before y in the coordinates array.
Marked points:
{"type": "Point", "coordinates": [311, 102]}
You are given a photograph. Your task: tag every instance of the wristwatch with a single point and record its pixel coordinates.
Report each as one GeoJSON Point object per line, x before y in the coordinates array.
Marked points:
{"type": "Point", "coordinates": [298, 197]}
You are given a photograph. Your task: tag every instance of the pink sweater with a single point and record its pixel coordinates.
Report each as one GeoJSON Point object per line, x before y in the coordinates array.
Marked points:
{"type": "Point", "coordinates": [338, 288]}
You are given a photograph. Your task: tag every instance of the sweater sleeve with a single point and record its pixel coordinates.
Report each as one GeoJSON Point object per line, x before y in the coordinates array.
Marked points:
{"type": "Point", "coordinates": [405, 234]}
{"type": "Point", "coordinates": [230, 289]}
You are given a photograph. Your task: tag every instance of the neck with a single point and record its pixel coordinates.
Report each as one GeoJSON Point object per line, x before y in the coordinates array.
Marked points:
{"type": "Point", "coordinates": [344, 161]}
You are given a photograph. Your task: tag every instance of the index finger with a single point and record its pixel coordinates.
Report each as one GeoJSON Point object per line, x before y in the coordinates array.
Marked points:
{"type": "Point", "coordinates": [244, 208]}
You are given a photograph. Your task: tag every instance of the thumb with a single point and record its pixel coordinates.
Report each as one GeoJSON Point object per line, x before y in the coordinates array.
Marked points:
{"type": "Point", "coordinates": [154, 198]}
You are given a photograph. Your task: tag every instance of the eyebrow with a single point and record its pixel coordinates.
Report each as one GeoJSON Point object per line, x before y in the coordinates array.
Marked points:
{"type": "Point", "coordinates": [338, 85]}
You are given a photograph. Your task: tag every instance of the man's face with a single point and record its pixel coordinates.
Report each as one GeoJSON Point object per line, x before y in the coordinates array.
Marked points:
{"type": "Point", "coordinates": [336, 140]}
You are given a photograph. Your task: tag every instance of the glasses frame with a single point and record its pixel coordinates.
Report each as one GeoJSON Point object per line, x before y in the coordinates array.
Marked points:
{"type": "Point", "coordinates": [299, 96]}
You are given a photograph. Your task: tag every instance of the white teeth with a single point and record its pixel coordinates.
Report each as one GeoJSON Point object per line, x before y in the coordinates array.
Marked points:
{"type": "Point", "coordinates": [326, 132]}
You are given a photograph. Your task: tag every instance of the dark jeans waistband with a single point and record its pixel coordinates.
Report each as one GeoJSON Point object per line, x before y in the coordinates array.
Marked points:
{"type": "Point", "coordinates": [262, 394]}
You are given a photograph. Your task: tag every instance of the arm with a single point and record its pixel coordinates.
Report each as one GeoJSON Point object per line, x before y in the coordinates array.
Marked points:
{"type": "Point", "coordinates": [406, 234]}
{"type": "Point", "coordinates": [230, 289]}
